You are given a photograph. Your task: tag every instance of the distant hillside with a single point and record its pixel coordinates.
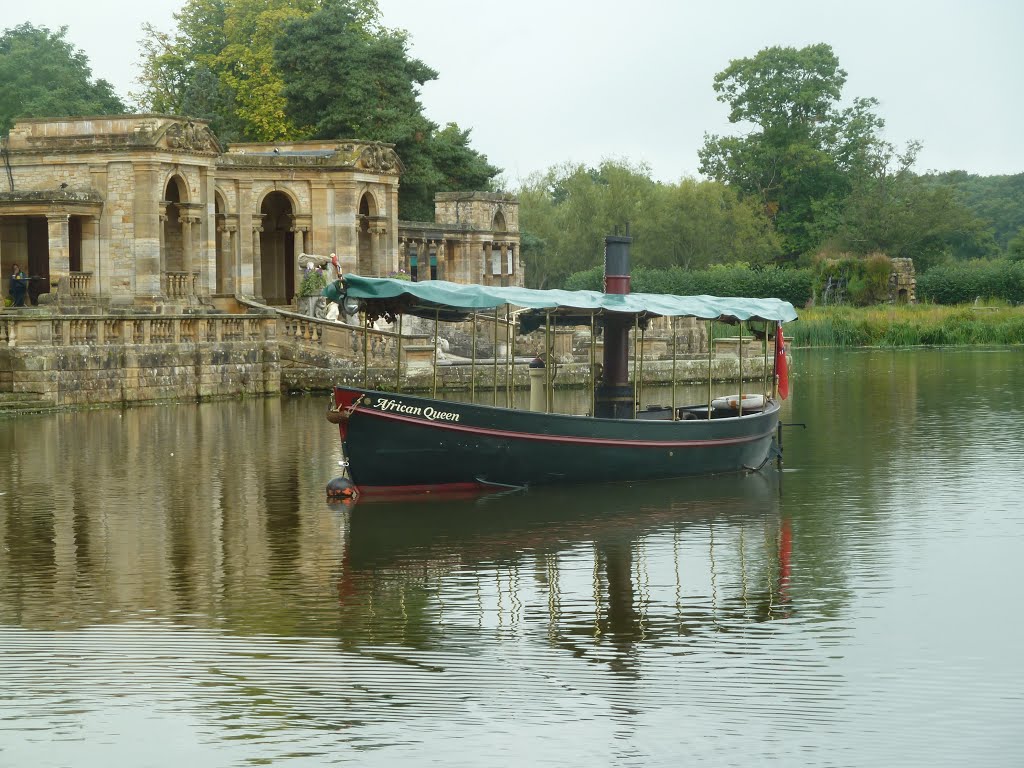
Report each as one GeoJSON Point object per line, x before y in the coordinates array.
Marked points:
{"type": "Point", "coordinates": [998, 200]}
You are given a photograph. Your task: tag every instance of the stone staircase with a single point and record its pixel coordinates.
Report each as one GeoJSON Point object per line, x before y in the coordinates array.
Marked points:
{"type": "Point", "coordinates": [14, 403]}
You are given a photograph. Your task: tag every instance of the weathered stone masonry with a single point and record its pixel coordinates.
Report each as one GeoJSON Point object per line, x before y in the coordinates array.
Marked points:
{"type": "Point", "coordinates": [121, 218]}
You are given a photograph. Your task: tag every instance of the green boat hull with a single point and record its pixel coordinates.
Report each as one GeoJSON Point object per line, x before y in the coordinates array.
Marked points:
{"type": "Point", "coordinates": [403, 442]}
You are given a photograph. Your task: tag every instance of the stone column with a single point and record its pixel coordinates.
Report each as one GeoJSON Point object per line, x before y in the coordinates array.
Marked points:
{"type": "Point", "coordinates": [503, 266]}
{"type": "Point", "coordinates": [244, 254]}
{"type": "Point", "coordinates": [60, 250]}
{"type": "Point", "coordinates": [147, 228]}
{"type": "Point", "coordinates": [230, 256]}
{"type": "Point", "coordinates": [186, 240]}
{"type": "Point", "coordinates": [300, 247]}
{"type": "Point", "coordinates": [162, 218]}
{"type": "Point", "coordinates": [91, 254]}
{"type": "Point", "coordinates": [375, 251]}
{"type": "Point", "coordinates": [257, 257]}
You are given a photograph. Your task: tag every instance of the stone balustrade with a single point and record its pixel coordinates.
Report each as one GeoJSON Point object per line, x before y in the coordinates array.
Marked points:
{"type": "Point", "coordinates": [342, 341]}
{"type": "Point", "coordinates": [179, 285]}
{"type": "Point", "coordinates": [25, 330]}
{"type": "Point", "coordinates": [80, 283]}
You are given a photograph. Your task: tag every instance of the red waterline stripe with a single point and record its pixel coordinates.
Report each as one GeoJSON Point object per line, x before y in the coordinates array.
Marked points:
{"type": "Point", "coordinates": [566, 438]}
{"type": "Point", "coordinates": [401, 490]}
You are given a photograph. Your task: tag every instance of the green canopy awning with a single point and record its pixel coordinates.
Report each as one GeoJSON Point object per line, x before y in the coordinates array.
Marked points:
{"type": "Point", "coordinates": [450, 301]}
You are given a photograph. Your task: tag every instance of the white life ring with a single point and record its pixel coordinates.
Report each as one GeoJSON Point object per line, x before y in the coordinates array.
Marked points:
{"type": "Point", "coordinates": [732, 403]}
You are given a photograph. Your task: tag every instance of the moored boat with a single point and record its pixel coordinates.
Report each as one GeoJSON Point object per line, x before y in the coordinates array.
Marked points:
{"type": "Point", "coordinates": [403, 442]}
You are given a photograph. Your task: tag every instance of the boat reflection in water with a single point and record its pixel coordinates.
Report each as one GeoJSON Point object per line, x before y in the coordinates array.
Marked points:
{"type": "Point", "coordinates": [612, 564]}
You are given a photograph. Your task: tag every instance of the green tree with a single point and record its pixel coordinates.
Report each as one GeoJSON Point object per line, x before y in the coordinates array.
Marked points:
{"type": "Point", "coordinates": [566, 212]}
{"type": "Point", "coordinates": [893, 211]}
{"type": "Point", "coordinates": [1015, 248]}
{"type": "Point", "coordinates": [346, 78]}
{"type": "Point", "coordinates": [998, 200]}
{"type": "Point", "coordinates": [219, 65]}
{"type": "Point", "coordinates": [271, 70]}
{"type": "Point", "coordinates": [44, 75]}
{"type": "Point", "coordinates": [571, 208]}
{"type": "Point", "coordinates": [694, 224]}
{"type": "Point", "coordinates": [801, 150]}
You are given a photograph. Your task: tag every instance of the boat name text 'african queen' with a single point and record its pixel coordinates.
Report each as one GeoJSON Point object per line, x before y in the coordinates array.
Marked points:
{"type": "Point", "coordinates": [430, 414]}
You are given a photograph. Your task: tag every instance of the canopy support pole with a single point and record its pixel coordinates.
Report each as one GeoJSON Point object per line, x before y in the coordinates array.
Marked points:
{"type": "Point", "coordinates": [366, 352]}
{"type": "Point", "coordinates": [548, 394]}
{"type": "Point", "coordinates": [593, 367]}
{"type": "Point", "coordinates": [636, 357]}
{"type": "Point", "coordinates": [510, 358]}
{"type": "Point", "coordinates": [674, 414]}
{"type": "Point", "coordinates": [494, 392]}
{"type": "Point", "coordinates": [775, 365]}
{"type": "Point", "coordinates": [711, 348]}
{"type": "Point", "coordinates": [472, 365]}
{"type": "Point", "coordinates": [740, 402]}
{"type": "Point", "coordinates": [640, 379]}
{"type": "Point", "coordinates": [764, 370]}
{"type": "Point", "coordinates": [437, 340]}
{"type": "Point", "coordinates": [398, 358]}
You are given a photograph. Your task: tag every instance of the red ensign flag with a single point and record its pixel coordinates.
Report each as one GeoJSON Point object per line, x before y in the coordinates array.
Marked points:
{"type": "Point", "coordinates": [781, 366]}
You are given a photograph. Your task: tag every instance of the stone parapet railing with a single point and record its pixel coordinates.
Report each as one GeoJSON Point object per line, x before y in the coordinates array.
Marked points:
{"type": "Point", "coordinates": [179, 285]}
{"type": "Point", "coordinates": [353, 343]}
{"type": "Point", "coordinates": [36, 329]}
{"type": "Point", "coordinates": [80, 283]}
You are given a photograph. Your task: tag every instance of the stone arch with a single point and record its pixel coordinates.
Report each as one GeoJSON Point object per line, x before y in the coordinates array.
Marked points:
{"type": "Point", "coordinates": [277, 247]}
{"type": "Point", "coordinates": [175, 253]}
{"type": "Point", "coordinates": [367, 260]}
{"type": "Point", "coordinates": [498, 223]}
{"type": "Point", "coordinates": [279, 191]}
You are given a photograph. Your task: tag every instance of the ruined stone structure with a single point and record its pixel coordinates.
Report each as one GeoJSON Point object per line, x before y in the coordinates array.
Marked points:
{"type": "Point", "coordinates": [150, 213]}
{"type": "Point", "coordinates": [903, 282]}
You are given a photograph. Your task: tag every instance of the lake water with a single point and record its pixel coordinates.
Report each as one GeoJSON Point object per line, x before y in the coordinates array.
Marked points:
{"type": "Point", "coordinates": [175, 589]}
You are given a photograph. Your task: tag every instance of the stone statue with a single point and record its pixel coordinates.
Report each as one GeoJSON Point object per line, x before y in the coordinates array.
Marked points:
{"type": "Point", "coordinates": [307, 260]}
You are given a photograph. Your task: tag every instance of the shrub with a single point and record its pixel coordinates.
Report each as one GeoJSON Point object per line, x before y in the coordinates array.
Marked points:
{"type": "Point", "coordinates": [966, 282]}
{"type": "Point", "coordinates": [313, 282]}
{"type": "Point", "coordinates": [849, 279]}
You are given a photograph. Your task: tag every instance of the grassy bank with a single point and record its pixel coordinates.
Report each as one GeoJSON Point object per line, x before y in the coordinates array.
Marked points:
{"type": "Point", "coordinates": [903, 325]}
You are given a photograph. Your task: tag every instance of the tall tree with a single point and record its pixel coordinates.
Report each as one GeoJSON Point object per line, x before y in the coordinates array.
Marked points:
{"type": "Point", "coordinates": [799, 154]}
{"type": "Point", "coordinates": [219, 65]}
{"type": "Point", "coordinates": [272, 70]}
{"type": "Point", "coordinates": [345, 78]}
{"type": "Point", "coordinates": [566, 212]}
{"type": "Point", "coordinates": [44, 75]}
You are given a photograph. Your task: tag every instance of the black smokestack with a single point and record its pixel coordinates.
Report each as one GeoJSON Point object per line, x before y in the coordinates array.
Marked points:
{"type": "Point", "coordinates": [614, 397]}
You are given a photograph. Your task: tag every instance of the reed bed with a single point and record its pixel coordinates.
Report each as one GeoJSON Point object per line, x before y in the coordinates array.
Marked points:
{"type": "Point", "coordinates": [907, 325]}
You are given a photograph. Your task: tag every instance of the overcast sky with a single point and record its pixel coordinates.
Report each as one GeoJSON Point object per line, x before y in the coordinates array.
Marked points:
{"type": "Point", "coordinates": [541, 82]}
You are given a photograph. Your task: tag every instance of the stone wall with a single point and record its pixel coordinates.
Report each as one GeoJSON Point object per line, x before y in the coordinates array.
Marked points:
{"type": "Point", "coordinates": [128, 360]}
